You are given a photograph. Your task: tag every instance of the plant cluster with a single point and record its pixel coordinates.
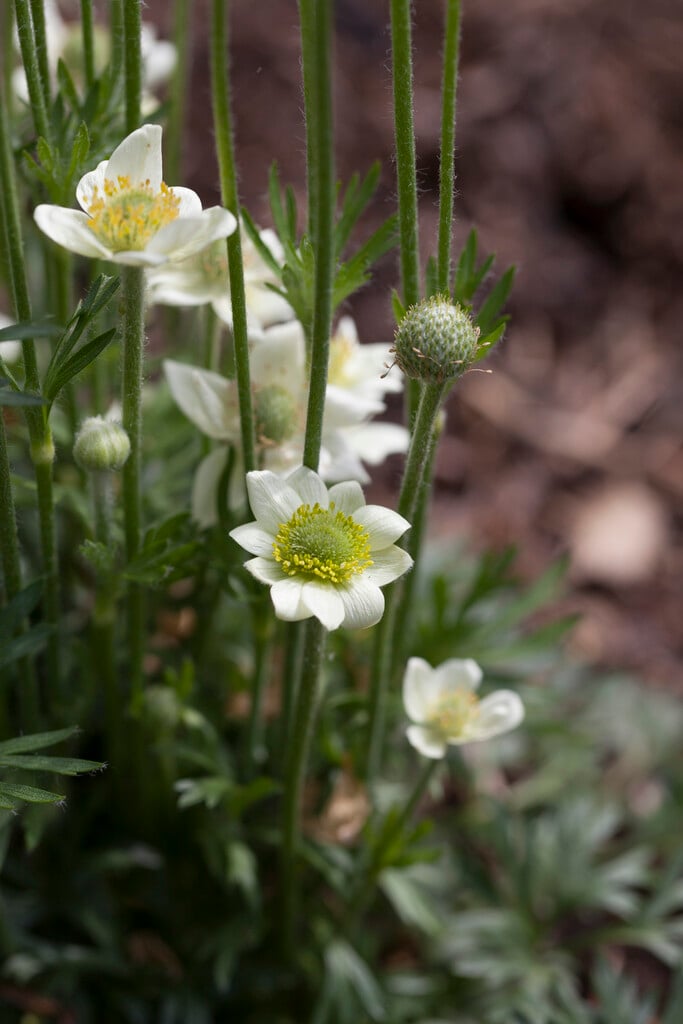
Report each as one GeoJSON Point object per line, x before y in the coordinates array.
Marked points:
{"type": "Point", "coordinates": [327, 771]}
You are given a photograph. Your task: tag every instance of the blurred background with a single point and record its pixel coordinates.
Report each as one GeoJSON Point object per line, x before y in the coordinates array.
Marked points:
{"type": "Point", "coordinates": [569, 162]}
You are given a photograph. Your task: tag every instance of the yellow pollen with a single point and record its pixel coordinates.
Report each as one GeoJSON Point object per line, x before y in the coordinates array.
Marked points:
{"type": "Point", "coordinates": [319, 543]}
{"type": "Point", "coordinates": [126, 217]}
{"type": "Point", "coordinates": [341, 351]}
{"type": "Point", "coordinates": [453, 713]}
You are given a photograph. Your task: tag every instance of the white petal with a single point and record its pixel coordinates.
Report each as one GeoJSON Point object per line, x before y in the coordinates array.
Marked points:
{"type": "Point", "coordinates": [280, 358]}
{"type": "Point", "coordinates": [415, 685]}
{"type": "Point", "coordinates": [206, 398]}
{"type": "Point", "coordinates": [265, 570]}
{"type": "Point", "coordinates": [309, 487]}
{"type": "Point", "coordinates": [190, 204]}
{"type": "Point", "coordinates": [347, 496]}
{"type": "Point", "coordinates": [324, 602]}
{"type": "Point", "coordinates": [387, 565]}
{"type": "Point", "coordinates": [185, 236]}
{"type": "Point", "coordinates": [425, 741]}
{"type": "Point", "coordinates": [265, 306]}
{"type": "Point", "coordinates": [205, 487]}
{"type": "Point", "coordinates": [375, 441]}
{"type": "Point", "coordinates": [458, 674]}
{"type": "Point", "coordinates": [137, 258]}
{"type": "Point", "coordinates": [338, 462]}
{"type": "Point", "coordinates": [93, 180]}
{"type": "Point", "coordinates": [69, 228]}
{"type": "Point", "coordinates": [138, 157]}
{"type": "Point", "coordinates": [252, 538]}
{"type": "Point", "coordinates": [497, 713]}
{"type": "Point", "coordinates": [383, 525]}
{"type": "Point", "coordinates": [346, 408]}
{"type": "Point", "coordinates": [363, 603]}
{"type": "Point", "coordinates": [286, 598]}
{"type": "Point", "coordinates": [158, 61]}
{"type": "Point", "coordinates": [272, 500]}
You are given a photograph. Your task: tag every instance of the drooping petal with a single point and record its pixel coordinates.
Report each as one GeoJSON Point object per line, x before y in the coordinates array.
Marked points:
{"type": "Point", "coordinates": [206, 398]}
{"type": "Point", "coordinates": [254, 539]}
{"type": "Point", "coordinates": [205, 487]}
{"type": "Point", "coordinates": [497, 713]}
{"type": "Point", "coordinates": [69, 228]}
{"type": "Point", "coordinates": [324, 602]}
{"type": "Point", "coordinates": [309, 487]}
{"type": "Point", "coordinates": [426, 742]}
{"type": "Point", "coordinates": [363, 603]}
{"type": "Point", "coordinates": [272, 500]}
{"type": "Point", "coordinates": [415, 683]}
{"type": "Point", "coordinates": [383, 525]}
{"type": "Point", "coordinates": [138, 157]}
{"type": "Point", "coordinates": [347, 496]}
{"type": "Point", "coordinates": [387, 565]}
{"type": "Point", "coordinates": [286, 598]}
{"type": "Point", "coordinates": [458, 673]}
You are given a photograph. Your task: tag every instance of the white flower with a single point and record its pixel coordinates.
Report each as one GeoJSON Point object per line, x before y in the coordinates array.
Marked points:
{"type": "Point", "coordinates": [443, 704]}
{"type": "Point", "coordinates": [362, 369]}
{"type": "Point", "coordinates": [323, 553]}
{"type": "Point", "coordinates": [130, 215]}
{"type": "Point", "coordinates": [204, 278]}
{"type": "Point", "coordinates": [10, 351]}
{"type": "Point", "coordinates": [278, 376]}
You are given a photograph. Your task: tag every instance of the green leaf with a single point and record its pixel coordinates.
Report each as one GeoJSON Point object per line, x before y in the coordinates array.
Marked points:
{"type": "Point", "coordinates": [30, 642]}
{"type": "Point", "coordinates": [71, 367]}
{"type": "Point", "coordinates": [19, 398]}
{"type": "Point", "coordinates": [496, 299]}
{"type": "Point", "coordinates": [253, 233]}
{"type": "Point", "coordinates": [355, 201]}
{"type": "Point", "coordinates": [410, 900]}
{"type": "Point", "coordinates": [21, 605]}
{"type": "Point", "coordinates": [36, 741]}
{"type": "Point", "coordinates": [58, 765]}
{"type": "Point", "coordinates": [29, 794]}
{"type": "Point", "coordinates": [31, 329]}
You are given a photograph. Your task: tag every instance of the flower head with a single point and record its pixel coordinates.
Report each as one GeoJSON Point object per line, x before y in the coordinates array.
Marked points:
{"type": "Point", "coordinates": [446, 710]}
{"type": "Point", "coordinates": [130, 215]}
{"type": "Point", "coordinates": [436, 341]}
{"type": "Point", "coordinates": [323, 553]}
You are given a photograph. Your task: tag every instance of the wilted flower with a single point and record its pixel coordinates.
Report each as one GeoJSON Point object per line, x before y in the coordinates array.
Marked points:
{"type": "Point", "coordinates": [323, 553]}
{"type": "Point", "coordinates": [203, 278]}
{"type": "Point", "coordinates": [131, 216]}
{"type": "Point", "coordinates": [443, 704]}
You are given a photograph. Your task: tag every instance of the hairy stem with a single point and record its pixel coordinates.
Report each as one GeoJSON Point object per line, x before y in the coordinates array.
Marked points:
{"type": "Point", "coordinates": [447, 163]}
{"type": "Point", "coordinates": [132, 24]}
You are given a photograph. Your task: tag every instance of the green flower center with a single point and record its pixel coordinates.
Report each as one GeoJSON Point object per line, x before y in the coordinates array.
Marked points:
{"type": "Point", "coordinates": [276, 414]}
{"type": "Point", "coordinates": [214, 263]}
{"type": "Point", "coordinates": [319, 543]}
{"type": "Point", "coordinates": [126, 218]}
{"type": "Point", "coordinates": [453, 713]}
{"type": "Point", "coordinates": [341, 351]}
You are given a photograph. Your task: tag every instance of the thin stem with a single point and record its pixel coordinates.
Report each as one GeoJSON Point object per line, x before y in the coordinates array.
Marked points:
{"type": "Point", "coordinates": [261, 633]}
{"type": "Point", "coordinates": [291, 675]}
{"type": "Point", "coordinates": [220, 91]}
{"type": "Point", "coordinates": [87, 28]}
{"type": "Point", "coordinates": [103, 620]}
{"type": "Point", "coordinates": [117, 41]}
{"type": "Point", "coordinates": [308, 63]}
{"type": "Point", "coordinates": [31, 64]}
{"type": "Point", "coordinates": [297, 758]}
{"type": "Point", "coordinates": [60, 264]}
{"type": "Point", "coordinates": [182, 38]}
{"type": "Point", "coordinates": [42, 447]}
{"type": "Point", "coordinates": [7, 53]}
{"type": "Point", "coordinates": [132, 24]}
{"type": "Point", "coordinates": [451, 58]}
{"type": "Point", "coordinates": [213, 328]}
{"type": "Point", "coordinates": [131, 398]}
{"type": "Point", "coordinates": [404, 133]}
{"type": "Point", "coordinates": [40, 37]}
{"type": "Point", "coordinates": [419, 453]}
{"type": "Point", "coordinates": [316, 28]}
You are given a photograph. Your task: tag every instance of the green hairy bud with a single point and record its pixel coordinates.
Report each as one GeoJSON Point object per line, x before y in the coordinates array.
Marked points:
{"type": "Point", "coordinates": [436, 341]}
{"type": "Point", "coordinates": [276, 414]}
{"type": "Point", "coordinates": [101, 445]}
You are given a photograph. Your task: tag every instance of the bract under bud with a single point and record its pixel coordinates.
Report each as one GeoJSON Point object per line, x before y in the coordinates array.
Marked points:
{"type": "Point", "coordinates": [101, 445]}
{"type": "Point", "coordinates": [436, 341]}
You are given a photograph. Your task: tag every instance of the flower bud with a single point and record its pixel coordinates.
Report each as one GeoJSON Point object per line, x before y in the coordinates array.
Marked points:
{"type": "Point", "coordinates": [436, 341]}
{"type": "Point", "coordinates": [101, 445]}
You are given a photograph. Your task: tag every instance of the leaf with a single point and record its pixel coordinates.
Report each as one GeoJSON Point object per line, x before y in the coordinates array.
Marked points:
{"type": "Point", "coordinates": [349, 981]}
{"type": "Point", "coordinates": [30, 642]}
{"type": "Point", "coordinates": [21, 605]}
{"type": "Point", "coordinates": [410, 900]}
{"type": "Point", "coordinates": [29, 794]}
{"type": "Point", "coordinates": [496, 299]}
{"type": "Point", "coordinates": [19, 398]}
{"type": "Point", "coordinates": [36, 741]}
{"type": "Point", "coordinates": [31, 329]}
{"type": "Point", "coordinates": [59, 765]}
{"type": "Point", "coordinates": [355, 201]}
{"type": "Point", "coordinates": [71, 367]}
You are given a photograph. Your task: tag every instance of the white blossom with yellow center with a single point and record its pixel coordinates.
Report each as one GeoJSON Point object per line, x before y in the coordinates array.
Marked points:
{"type": "Point", "coordinates": [443, 705]}
{"type": "Point", "coordinates": [324, 553]}
{"type": "Point", "coordinates": [203, 278]}
{"type": "Point", "coordinates": [129, 215]}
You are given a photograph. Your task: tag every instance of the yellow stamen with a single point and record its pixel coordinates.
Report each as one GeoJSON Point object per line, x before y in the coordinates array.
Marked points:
{"type": "Point", "coordinates": [126, 217]}
{"type": "Point", "coordinates": [319, 543]}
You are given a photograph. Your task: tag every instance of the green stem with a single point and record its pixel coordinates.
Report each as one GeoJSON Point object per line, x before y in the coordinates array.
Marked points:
{"type": "Point", "coordinates": [7, 51]}
{"type": "Point", "coordinates": [451, 59]}
{"type": "Point", "coordinates": [316, 35]}
{"type": "Point", "coordinates": [61, 264]}
{"type": "Point", "coordinates": [131, 398]}
{"type": "Point", "coordinates": [40, 37]}
{"type": "Point", "coordinates": [220, 91]}
{"type": "Point", "coordinates": [297, 757]}
{"type": "Point", "coordinates": [419, 455]}
{"type": "Point", "coordinates": [213, 329]}
{"type": "Point", "coordinates": [117, 42]}
{"type": "Point", "coordinates": [132, 24]}
{"type": "Point", "coordinates": [308, 67]}
{"type": "Point", "coordinates": [31, 64]}
{"type": "Point", "coordinates": [261, 633]}
{"type": "Point", "coordinates": [182, 37]}
{"type": "Point", "coordinates": [103, 621]}
{"type": "Point", "coordinates": [88, 34]}
{"type": "Point", "coordinates": [42, 447]}
{"type": "Point", "coordinates": [404, 134]}
{"type": "Point", "coordinates": [291, 675]}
